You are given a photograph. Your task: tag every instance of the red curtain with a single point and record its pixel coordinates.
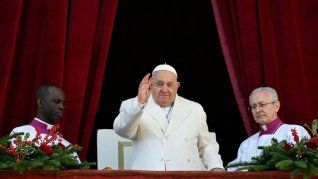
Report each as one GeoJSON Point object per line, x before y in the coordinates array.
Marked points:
{"type": "Point", "coordinates": [271, 43]}
{"type": "Point", "coordinates": [62, 42]}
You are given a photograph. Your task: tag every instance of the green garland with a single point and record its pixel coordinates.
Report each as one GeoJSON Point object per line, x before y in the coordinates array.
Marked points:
{"type": "Point", "coordinates": [27, 155]}
{"type": "Point", "coordinates": [300, 157]}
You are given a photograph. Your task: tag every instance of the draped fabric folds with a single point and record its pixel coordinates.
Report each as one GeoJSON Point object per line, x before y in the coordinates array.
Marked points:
{"type": "Point", "coordinates": [62, 42]}
{"type": "Point", "coordinates": [271, 43]}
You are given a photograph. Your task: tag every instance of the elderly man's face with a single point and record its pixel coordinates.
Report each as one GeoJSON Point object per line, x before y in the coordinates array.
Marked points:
{"type": "Point", "coordinates": [263, 108]}
{"type": "Point", "coordinates": [164, 87]}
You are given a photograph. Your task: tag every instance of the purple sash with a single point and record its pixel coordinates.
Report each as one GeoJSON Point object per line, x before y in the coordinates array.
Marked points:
{"type": "Point", "coordinates": [40, 126]}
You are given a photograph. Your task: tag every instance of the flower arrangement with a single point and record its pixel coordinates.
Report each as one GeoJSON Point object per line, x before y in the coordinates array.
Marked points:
{"type": "Point", "coordinates": [298, 157]}
{"type": "Point", "coordinates": [19, 153]}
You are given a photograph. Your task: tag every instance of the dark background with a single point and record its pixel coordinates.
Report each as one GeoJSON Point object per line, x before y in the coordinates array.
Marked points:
{"type": "Point", "coordinates": [184, 35]}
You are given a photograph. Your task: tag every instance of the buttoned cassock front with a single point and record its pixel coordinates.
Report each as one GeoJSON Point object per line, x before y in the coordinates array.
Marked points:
{"type": "Point", "coordinates": [185, 145]}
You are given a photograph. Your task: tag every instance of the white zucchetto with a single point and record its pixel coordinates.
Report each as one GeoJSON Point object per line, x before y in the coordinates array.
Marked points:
{"type": "Point", "coordinates": [165, 67]}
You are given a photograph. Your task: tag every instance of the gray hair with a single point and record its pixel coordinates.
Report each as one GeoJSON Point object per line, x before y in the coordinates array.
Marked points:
{"type": "Point", "coordinates": [272, 93]}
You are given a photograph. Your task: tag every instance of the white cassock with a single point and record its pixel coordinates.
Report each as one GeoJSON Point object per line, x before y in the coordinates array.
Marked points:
{"type": "Point", "coordinates": [249, 147]}
{"type": "Point", "coordinates": [183, 144]}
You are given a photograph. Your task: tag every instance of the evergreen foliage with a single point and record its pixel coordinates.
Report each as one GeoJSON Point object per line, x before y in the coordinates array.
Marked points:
{"type": "Point", "coordinates": [300, 157]}
{"type": "Point", "coordinates": [22, 154]}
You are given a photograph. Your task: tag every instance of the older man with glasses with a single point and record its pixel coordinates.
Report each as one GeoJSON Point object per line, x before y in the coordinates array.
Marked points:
{"type": "Point", "coordinates": [264, 105]}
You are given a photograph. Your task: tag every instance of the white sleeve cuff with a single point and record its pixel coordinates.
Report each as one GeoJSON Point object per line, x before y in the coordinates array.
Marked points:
{"type": "Point", "coordinates": [139, 105]}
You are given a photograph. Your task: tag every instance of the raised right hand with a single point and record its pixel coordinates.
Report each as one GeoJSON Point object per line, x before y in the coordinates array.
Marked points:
{"type": "Point", "coordinates": [144, 90]}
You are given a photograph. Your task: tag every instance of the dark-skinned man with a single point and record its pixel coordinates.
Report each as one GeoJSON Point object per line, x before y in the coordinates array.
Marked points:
{"type": "Point", "coordinates": [50, 101]}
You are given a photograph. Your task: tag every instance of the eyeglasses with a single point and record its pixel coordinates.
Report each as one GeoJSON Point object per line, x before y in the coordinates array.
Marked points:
{"type": "Point", "coordinates": [260, 105]}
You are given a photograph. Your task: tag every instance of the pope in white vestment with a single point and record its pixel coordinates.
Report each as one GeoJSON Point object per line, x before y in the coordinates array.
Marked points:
{"type": "Point", "coordinates": [168, 131]}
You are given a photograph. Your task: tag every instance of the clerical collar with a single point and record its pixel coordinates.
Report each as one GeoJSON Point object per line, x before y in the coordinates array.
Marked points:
{"type": "Point", "coordinates": [41, 125]}
{"type": "Point", "coordinates": [270, 128]}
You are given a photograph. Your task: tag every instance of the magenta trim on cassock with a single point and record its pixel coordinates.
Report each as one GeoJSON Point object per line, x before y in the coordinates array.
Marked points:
{"type": "Point", "coordinates": [40, 126]}
{"type": "Point", "coordinates": [271, 127]}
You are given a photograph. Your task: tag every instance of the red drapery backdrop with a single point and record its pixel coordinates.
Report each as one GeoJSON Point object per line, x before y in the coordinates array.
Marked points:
{"type": "Point", "coordinates": [271, 43]}
{"type": "Point", "coordinates": [62, 42]}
